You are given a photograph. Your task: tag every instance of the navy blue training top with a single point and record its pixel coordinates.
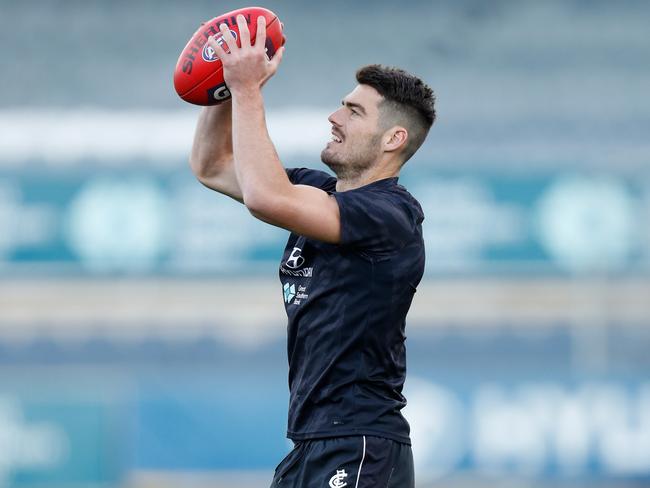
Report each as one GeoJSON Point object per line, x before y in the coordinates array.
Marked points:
{"type": "Point", "coordinates": [346, 304]}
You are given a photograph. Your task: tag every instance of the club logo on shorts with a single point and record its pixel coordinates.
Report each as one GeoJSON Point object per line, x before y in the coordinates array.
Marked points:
{"type": "Point", "coordinates": [337, 481]}
{"type": "Point", "coordinates": [295, 260]}
{"type": "Point", "coordinates": [208, 53]}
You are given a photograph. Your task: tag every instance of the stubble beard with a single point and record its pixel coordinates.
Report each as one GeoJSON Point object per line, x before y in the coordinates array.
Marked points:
{"type": "Point", "coordinates": [351, 165]}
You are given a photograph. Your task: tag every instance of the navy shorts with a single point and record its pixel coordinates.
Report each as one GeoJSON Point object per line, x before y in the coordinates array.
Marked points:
{"type": "Point", "coordinates": [353, 462]}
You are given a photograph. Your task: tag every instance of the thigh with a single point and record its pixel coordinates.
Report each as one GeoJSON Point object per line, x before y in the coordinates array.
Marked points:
{"type": "Point", "coordinates": [287, 464]}
{"type": "Point", "coordinates": [386, 464]}
{"type": "Point", "coordinates": [321, 463]}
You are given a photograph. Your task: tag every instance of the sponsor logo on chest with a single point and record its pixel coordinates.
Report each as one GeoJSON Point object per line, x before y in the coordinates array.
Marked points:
{"type": "Point", "coordinates": [294, 295]}
{"type": "Point", "coordinates": [293, 266]}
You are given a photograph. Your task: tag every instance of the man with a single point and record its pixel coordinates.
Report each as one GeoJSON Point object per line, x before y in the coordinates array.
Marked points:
{"type": "Point", "coordinates": [352, 263]}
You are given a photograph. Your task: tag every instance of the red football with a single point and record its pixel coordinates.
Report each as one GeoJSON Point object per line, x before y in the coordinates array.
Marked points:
{"type": "Point", "coordinates": [198, 77]}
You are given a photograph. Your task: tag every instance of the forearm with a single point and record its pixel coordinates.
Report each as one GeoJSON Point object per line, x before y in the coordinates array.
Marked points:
{"type": "Point", "coordinates": [260, 173]}
{"type": "Point", "coordinates": [212, 147]}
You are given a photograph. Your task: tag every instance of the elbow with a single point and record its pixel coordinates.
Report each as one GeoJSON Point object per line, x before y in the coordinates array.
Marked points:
{"type": "Point", "coordinates": [195, 166]}
{"type": "Point", "coordinates": [269, 202]}
{"type": "Point", "coordinates": [257, 211]}
{"type": "Point", "coordinates": [198, 167]}
{"type": "Point", "coordinates": [261, 206]}
{"type": "Point", "coordinates": [255, 203]}
{"type": "Point", "coordinates": [204, 169]}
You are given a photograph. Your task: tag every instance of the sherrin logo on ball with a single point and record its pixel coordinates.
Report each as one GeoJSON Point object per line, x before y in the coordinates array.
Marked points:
{"type": "Point", "coordinates": [208, 53]}
{"type": "Point", "coordinates": [198, 77]}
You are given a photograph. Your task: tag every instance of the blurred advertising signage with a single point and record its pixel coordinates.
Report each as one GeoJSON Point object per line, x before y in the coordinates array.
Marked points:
{"type": "Point", "coordinates": [531, 430]}
{"type": "Point", "coordinates": [55, 443]}
{"type": "Point", "coordinates": [209, 419]}
{"type": "Point", "coordinates": [564, 222]}
{"type": "Point", "coordinates": [28, 446]}
{"type": "Point", "coordinates": [165, 222]}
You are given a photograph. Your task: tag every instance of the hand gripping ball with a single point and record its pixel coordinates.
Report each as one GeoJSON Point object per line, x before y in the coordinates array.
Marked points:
{"type": "Point", "coordinates": [198, 77]}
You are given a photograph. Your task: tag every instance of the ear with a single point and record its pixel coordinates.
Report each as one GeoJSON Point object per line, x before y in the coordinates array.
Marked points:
{"type": "Point", "coordinates": [395, 138]}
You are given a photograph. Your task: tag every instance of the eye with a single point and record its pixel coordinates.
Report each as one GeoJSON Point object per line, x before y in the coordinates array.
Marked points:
{"type": "Point", "coordinates": [354, 112]}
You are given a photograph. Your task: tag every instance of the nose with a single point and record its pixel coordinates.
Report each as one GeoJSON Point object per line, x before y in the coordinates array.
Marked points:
{"type": "Point", "coordinates": [334, 118]}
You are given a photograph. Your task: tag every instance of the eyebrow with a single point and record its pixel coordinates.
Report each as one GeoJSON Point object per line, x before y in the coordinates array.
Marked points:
{"type": "Point", "coordinates": [354, 105]}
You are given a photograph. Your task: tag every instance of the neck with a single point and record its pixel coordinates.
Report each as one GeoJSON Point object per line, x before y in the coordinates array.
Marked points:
{"type": "Point", "coordinates": [365, 178]}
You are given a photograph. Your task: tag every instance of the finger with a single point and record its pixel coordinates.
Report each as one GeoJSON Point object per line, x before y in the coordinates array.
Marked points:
{"type": "Point", "coordinates": [244, 33]}
{"type": "Point", "coordinates": [273, 65]}
{"type": "Point", "coordinates": [277, 59]}
{"type": "Point", "coordinates": [260, 37]}
{"type": "Point", "coordinates": [218, 50]}
{"type": "Point", "coordinates": [227, 36]}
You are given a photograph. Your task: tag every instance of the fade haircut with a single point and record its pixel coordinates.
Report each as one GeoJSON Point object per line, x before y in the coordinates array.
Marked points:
{"type": "Point", "coordinates": [408, 101]}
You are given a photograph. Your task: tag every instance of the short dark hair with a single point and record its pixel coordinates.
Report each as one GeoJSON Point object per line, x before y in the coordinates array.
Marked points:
{"type": "Point", "coordinates": [407, 101]}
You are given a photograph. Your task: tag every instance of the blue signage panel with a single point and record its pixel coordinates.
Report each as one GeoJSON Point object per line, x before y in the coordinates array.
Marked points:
{"type": "Point", "coordinates": [60, 441]}
{"type": "Point", "coordinates": [493, 402]}
{"type": "Point", "coordinates": [161, 222]}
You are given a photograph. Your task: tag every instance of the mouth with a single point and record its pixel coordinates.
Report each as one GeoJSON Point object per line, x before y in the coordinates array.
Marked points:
{"type": "Point", "coordinates": [336, 138]}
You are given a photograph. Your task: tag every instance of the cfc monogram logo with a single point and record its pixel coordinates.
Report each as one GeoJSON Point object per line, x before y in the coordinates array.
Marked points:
{"type": "Point", "coordinates": [295, 260]}
{"type": "Point", "coordinates": [338, 480]}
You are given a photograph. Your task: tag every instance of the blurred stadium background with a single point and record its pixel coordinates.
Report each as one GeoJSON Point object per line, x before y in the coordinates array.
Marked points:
{"type": "Point", "coordinates": [142, 334]}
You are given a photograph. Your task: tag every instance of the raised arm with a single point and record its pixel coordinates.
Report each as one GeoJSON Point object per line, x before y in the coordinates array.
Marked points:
{"type": "Point", "coordinates": [266, 189]}
{"type": "Point", "coordinates": [211, 159]}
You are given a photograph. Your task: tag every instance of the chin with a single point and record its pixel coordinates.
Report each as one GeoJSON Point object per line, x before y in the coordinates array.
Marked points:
{"type": "Point", "coordinates": [336, 166]}
{"type": "Point", "coordinates": [327, 157]}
